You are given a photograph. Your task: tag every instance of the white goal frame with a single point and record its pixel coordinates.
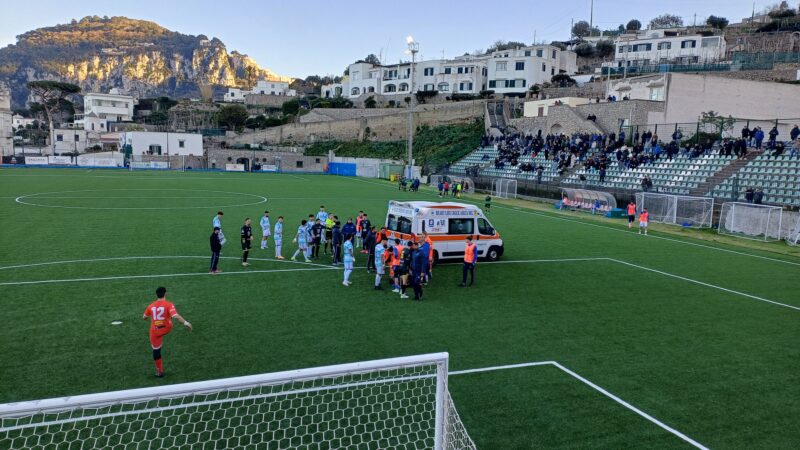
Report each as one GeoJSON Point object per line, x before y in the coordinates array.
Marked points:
{"type": "Point", "coordinates": [677, 209]}
{"type": "Point", "coordinates": [501, 187]}
{"type": "Point", "coordinates": [756, 222]}
{"type": "Point", "coordinates": [793, 235]}
{"type": "Point", "coordinates": [27, 420]}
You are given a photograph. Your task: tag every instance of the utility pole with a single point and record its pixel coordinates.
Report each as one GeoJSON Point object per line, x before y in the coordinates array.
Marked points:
{"type": "Point", "coordinates": [694, 21]}
{"type": "Point", "coordinates": [413, 48]}
{"type": "Point", "coordinates": [571, 26]}
{"type": "Point", "coordinates": [534, 37]}
{"type": "Point", "coordinates": [591, 15]}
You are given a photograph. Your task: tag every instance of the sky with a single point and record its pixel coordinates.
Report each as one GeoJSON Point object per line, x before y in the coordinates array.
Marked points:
{"type": "Point", "coordinates": [306, 37]}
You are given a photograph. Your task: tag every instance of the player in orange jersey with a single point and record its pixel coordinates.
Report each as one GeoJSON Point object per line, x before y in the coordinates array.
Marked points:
{"type": "Point", "coordinates": [161, 313]}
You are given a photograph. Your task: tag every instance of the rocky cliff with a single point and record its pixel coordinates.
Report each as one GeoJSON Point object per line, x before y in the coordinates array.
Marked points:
{"type": "Point", "coordinates": [137, 57]}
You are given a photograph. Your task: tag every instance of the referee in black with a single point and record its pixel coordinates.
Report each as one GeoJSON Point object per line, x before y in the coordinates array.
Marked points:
{"type": "Point", "coordinates": [247, 239]}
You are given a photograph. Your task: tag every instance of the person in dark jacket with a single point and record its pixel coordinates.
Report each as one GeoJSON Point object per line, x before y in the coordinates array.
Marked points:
{"type": "Point", "coordinates": [366, 226]}
{"type": "Point", "coordinates": [349, 229]}
{"type": "Point", "coordinates": [338, 239]}
{"type": "Point", "coordinates": [370, 243]}
{"type": "Point", "coordinates": [216, 248]}
{"type": "Point", "coordinates": [419, 259]}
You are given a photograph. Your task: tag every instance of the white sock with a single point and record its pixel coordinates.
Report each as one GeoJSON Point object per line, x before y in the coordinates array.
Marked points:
{"type": "Point", "coordinates": [347, 275]}
{"type": "Point", "coordinates": [296, 252]}
{"type": "Point", "coordinates": [278, 248]}
{"type": "Point", "coordinates": [377, 280]}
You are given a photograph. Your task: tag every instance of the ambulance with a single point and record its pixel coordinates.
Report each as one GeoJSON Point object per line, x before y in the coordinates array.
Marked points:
{"type": "Point", "coordinates": [448, 225]}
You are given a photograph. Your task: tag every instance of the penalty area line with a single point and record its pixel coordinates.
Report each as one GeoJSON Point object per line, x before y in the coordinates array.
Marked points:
{"type": "Point", "coordinates": [162, 275]}
{"type": "Point", "coordinates": [592, 385]}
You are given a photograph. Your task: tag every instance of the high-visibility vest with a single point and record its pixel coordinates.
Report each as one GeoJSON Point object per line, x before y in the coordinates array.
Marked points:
{"type": "Point", "coordinates": [358, 223]}
{"type": "Point", "coordinates": [429, 241]}
{"type": "Point", "coordinates": [469, 253]}
{"type": "Point", "coordinates": [643, 217]}
{"type": "Point", "coordinates": [631, 210]}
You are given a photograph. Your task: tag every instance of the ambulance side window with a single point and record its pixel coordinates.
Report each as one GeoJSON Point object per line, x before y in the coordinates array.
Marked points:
{"type": "Point", "coordinates": [404, 225]}
{"type": "Point", "coordinates": [484, 227]}
{"type": "Point", "coordinates": [461, 226]}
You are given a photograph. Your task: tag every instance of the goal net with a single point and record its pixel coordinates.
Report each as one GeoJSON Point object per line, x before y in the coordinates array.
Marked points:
{"type": "Point", "coordinates": [751, 221]}
{"type": "Point", "coordinates": [392, 403]}
{"type": "Point", "coordinates": [677, 209]}
{"type": "Point", "coordinates": [504, 188]}
{"type": "Point", "coordinates": [467, 185]}
{"type": "Point", "coordinates": [793, 235]}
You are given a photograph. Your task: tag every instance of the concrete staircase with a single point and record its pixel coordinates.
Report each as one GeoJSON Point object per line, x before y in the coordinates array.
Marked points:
{"type": "Point", "coordinates": [707, 186]}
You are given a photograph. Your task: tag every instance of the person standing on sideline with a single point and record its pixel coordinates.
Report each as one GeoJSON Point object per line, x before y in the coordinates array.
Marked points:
{"type": "Point", "coordinates": [631, 213]}
{"type": "Point", "coordinates": [366, 226]}
{"type": "Point", "coordinates": [425, 248]}
{"type": "Point", "coordinates": [265, 226]}
{"type": "Point", "coordinates": [278, 237]}
{"type": "Point", "coordinates": [418, 261]}
{"type": "Point", "coordinates": [301, 238]}
{"type": "Point", "coordinates": [369, 243]}
{"type": "Point", "coordinates": [487, 203]}
{"type": "Point", "coordinates": [317, 232]}
{"type": "Point", "coordinates": [247, 240]}
{"type": "Point", "coordinates": [216, 248]}
{"type": "Point", "coordinates": [216, 222]}
{"type": "Point", "coordinates": [337, 243]}
{"type": "Point", "coordinates": [643, 219]}
{"type": "Point", "coordinates": [161, 313]}
{"type": "Point", "coordinates": [470, 259]}
{"type": "Point", "coordinates": [349, 260]}
{"type": "Point", "coordinates": [378, 255]}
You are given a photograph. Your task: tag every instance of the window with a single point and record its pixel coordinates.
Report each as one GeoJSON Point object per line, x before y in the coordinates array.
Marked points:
{"type": "Point", "coordinates": [428, 71]}
{"type": "Point", "coordinates": [354, 75]}
{"type": "Point", "coordinates": [460, 226]}
{"type": "Point", "coordinates": [657, 93]}
{"type": "Point", "coordinates": [465, 86]}
{"type": "Point", "coordinates": [355, 91]}
{"type": "Point", "coordinates": [709, 42]}
{"type": "Point", "coordinates": [444, 87]}
{"type": "Point", "coordinates": [390, 88]}
{"type": "Point", "coordinates": [299, 164]}
{"type": "Point", "coordinates": [664, 45]}
{"type": "Point", "coordinates": [428, 87]}
{"type": "Point", "coordinates": [316, 160]}
{"type": "Point", "coordinates": [371, 89]}
{"type": "Point", "coordinates": [399, 223]}
{"type": "Point", "coordinates": [484, 227]}
{"type": "Point", "coordinates": [154, 150]}
{"type": "Point", "coordinates": [539, 52]}
{"type": "Point", "coordinates": [77, 138]}
{"type": "Point", "coordinates": [501, 66]}
{"type": "Point", "coordinates": [554, 54]}
{"type": "Point", "coordinates": [527, 53]}
{"type": "Point", "coordinates": [552, 71]}
{"type": "Point", "coordinates": [403, 87]}
{"type": "Point", "coordinates": [60, 137]}
{"type": "Point", "coordinates": [181, 144]}
{"type": "Point", "coordinates": [510, 83]}
{"type": "Point", "coordinates": [448, 70]}
{"type": "Point", "coordinates": [492, 83]}
{"type": "Point", "coordinates": [460, 70]}
{"type": "Point", "coordinates": [544, 67]}
{"type": "Point", "coordinates": [484, 71]}
{"type": "Point", "coordinates": [519, 65]}
{"type": "Point", "coordinates": [689, 44]}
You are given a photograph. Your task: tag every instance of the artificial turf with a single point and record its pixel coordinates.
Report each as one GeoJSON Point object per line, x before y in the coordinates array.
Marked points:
{"type": "Point", "coordinates": [717, 365]}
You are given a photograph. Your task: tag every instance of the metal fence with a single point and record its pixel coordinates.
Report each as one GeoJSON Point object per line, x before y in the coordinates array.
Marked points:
{"type": "Point", "coordinates": [711, 130]}
{"type": "Point", "coordinates": [708, 67]}
{"type": "Point", "coordinates": [765, 57]}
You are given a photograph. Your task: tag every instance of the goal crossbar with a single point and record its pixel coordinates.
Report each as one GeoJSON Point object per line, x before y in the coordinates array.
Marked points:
{"type": "Point", "coordinates": [384, 391]}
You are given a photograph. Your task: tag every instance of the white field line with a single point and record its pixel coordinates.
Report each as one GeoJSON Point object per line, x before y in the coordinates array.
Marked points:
{"type": "Point", "coordinates": [133, 198]}
{"type": "Point", "coordinates": [607, 227]}
{"type": "Point", "coordinates": [261, 178]}
{"type": "Point", "coordinates": [124, 258]}
{"type": "Point", "coordinates": [591, 385]}
{"type": "Point", "coordinates": [163, 275]}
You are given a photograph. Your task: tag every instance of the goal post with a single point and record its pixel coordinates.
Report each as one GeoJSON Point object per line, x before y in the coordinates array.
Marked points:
{"type": "Point", "coordinates": [751, 221]}
{"type": "Point", "coordinates": [793, 234]}
{"type": "Point", "coordinates": [680, 210]}
{"type": "Point", "coordinates": [504, 188]}
{"type": "Point", "coordinates": [389, 403]}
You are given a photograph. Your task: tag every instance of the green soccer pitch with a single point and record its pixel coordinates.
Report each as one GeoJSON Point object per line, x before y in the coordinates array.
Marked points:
{"type": "Point", "coordinates": [654, 337]}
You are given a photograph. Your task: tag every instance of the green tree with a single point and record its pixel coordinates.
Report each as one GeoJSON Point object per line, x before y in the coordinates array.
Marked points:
{"type": "Point", "coordinates": [370, 102]}
{"type": "Point", "coordinates": [372, 59]}
{"type": "Point", "coordinates": [51, 94]}
{"type": "Point", "coordinates": [581, 29]}
{"type": "Point", "coordinates": [717, 22]}
{"type": "Point", "coordinates": [666, 21]}
{"type": "Point", "coordinates": [291, 107]}
{"type": "Point", "coordinates": [503, 45]}
{"type": "Point", "coordinates": [234, 116]}
{"type": "Point", "coordinates": [633, 25]}
{"type": "Point", "coordinates": [604, 48]}
{"type": "Point", "coordinates": [563, 80]}
{"type": "Point", "coordinates": [584, 50]}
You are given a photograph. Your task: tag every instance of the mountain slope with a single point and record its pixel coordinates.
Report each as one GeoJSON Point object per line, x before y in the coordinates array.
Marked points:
{"type": "Point", "coordinates": [138, 57]}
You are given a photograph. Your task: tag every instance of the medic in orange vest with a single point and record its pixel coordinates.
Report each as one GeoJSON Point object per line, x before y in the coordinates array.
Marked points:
{"type": "Point", "coordinates": [470, 259]}
{"type": "Point", "coordinates": [631, 213]}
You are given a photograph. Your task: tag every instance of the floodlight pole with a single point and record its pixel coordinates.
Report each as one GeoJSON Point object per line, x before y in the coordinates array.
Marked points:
{"type": "Point", "coordinates": [413, 48]}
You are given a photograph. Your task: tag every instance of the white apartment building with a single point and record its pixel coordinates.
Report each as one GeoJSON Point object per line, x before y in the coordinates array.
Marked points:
{"type": "Point", "coordinates": [145, 142]}
{"type": "Point", "coordinates": [100, 109]}
{"type": "Point", "coordinates": [465, 74]}
{"type": "Point", "coordinates": [262, 87]}
{"type": "Point", "coordinates": [69, 140]}
{"type": "Point", "coordinates": [514, 71]}
{"type": "Point", "coordinates": [18, 122]}
{"type": "Point", "coordinates": [667, 47]}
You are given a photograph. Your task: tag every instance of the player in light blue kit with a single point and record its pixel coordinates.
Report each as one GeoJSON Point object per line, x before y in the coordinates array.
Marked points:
{"type": "Point", "coordinates": [278, 237]}
{"type": "Point", "coordinates": [380, 267]}
{"type": "Point", "coordinates": [216, 222]}
{"type": "Point", "coordinates": [349, 260]}
{"type": "Point", "coordinates": [322, 215]}
{"type": "Point", "coordinates": [302, 241]}
{"type": "Point", "coordinates": [264, 230]}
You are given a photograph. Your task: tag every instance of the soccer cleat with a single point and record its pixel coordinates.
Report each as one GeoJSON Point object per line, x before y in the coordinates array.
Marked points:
{"type": "Point", "coordinates": [462, 285]}
{"type": "Point", "coordinates": [308, 260]}
{"type": "Point", "coordinates": [244, 264]}
{"type": "Point", "coordinates": [403, 296]}
{"type": "Point", "coordinates": [378, 288]}
{"type": "Point", "coordinates": [293, 258]}
{"type": "Point", "coordinates": [345, 283]}
{"type": "Point", "coordinates": [396, 291]}
{"type": "Point", "coordinates": [159, 374]}
{"type": "Point", "coordinates": [279, 257]}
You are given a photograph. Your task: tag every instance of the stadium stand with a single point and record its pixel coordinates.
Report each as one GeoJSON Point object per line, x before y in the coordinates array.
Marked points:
{"type": "Point", "coordinates": [779, 177]}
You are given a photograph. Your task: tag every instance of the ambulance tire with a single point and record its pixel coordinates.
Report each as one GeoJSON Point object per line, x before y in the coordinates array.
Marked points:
{"type": "Point", "coordinates": [435, 257]}
{"type": "Point", "coordinates": [493, 254]}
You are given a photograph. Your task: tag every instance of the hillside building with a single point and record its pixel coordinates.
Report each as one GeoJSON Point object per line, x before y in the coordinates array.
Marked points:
{"type": "Point", "coordinates": [667, 47]}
